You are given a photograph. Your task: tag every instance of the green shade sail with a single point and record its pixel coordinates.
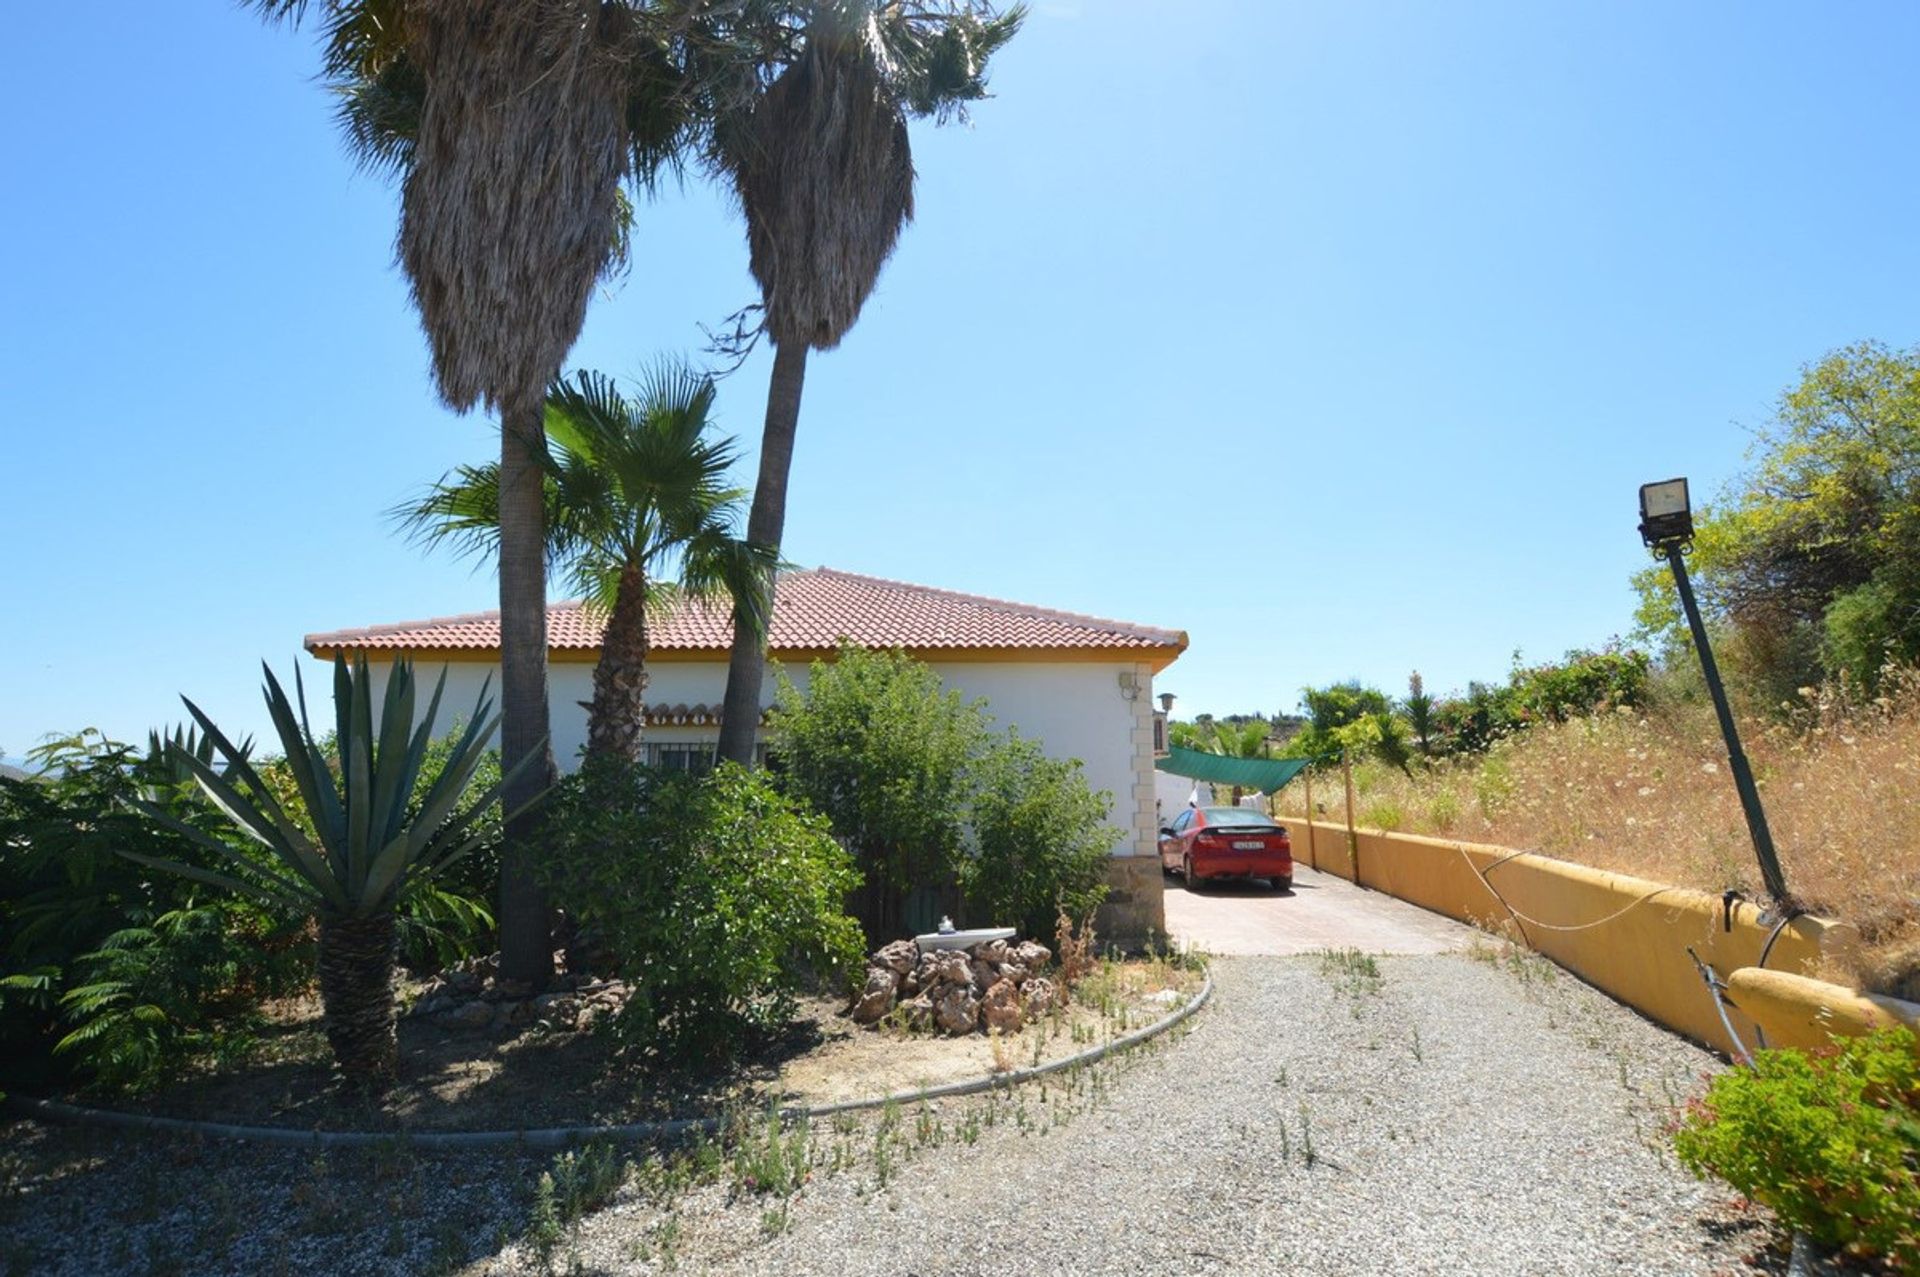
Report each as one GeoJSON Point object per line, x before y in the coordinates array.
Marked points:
{"type": "Point", "coordinates": [1264, 774]}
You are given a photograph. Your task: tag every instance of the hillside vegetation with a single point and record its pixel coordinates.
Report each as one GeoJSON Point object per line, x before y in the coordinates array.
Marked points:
{"type": "Point", "coordinates": [1645, 791]}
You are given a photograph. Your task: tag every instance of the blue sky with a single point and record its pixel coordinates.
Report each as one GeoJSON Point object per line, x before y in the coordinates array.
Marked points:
{"type": "Point", "coordinates": [1338, 335]}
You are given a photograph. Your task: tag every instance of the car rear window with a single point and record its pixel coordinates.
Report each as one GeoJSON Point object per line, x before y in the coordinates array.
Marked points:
{"type": "Point", "coordinates": [1240, 817]}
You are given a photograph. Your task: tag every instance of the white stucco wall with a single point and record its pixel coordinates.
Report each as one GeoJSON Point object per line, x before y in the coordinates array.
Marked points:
{"type": "Point", "coordinates": [1074, 709]}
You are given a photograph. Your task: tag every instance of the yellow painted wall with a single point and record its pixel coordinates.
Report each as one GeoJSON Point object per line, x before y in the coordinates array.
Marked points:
{"type": "Point", "coordinates": [1798, 1011]}
{"type": "Point", "coordinates": [1625, 935]}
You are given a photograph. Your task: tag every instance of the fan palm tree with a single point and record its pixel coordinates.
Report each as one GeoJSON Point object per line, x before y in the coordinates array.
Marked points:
{"type": "Point", "coordinates": [634, 487]}
{"type": "Point", "coordinates": [511, 127]}
{"type": "Point", "coordinates": [818, 156]}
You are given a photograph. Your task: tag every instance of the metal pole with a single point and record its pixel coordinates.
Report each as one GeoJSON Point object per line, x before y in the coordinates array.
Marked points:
{"type": "Point", "coordinates": [1736, 757]}
{"type": "Point", "coordinates": [1353, 842]}
{"type": "Point", "coordinates": [1306, 775]}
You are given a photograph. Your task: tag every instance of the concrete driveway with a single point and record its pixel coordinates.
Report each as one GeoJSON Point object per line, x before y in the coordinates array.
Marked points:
{"type": "Point", "coordinates": [1321, 912]}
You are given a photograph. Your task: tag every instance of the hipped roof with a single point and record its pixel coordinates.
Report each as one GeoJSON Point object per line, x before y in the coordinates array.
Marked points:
{"type": "Point", "coordinates": [814, 612]}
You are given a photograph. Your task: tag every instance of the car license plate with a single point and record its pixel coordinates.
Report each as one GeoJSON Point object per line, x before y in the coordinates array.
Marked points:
{"type": "Point", "coordinates": [1249, 844]}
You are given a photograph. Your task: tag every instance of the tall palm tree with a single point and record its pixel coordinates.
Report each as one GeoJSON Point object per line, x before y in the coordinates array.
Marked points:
{"type": "Point", "coordinates": [634, 488]}
{"type": "Point", "coordinates": [512, 126]}
{"type": "Point", "coordinates": [817, 153]}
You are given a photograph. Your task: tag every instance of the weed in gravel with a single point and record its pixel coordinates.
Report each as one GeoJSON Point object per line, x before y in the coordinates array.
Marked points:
{"type": "Point", "coordinates": [1419, 1054]}
{"type": "Point", "coordinates": [577, 1183]}
{"type": "Point", "coordinates": [667, 1237]}
{"type": "Point", "coordinates": [392, 1159]}
{"type": "Point", "coordinates": [449, 1252]}
{"type": "Point", "coordinates": [928, 1130]}
{"type": "Point", "coordinates": [224, 1223]}
{"type": "Point", "coordinates": [396, 1243]}
{"type": "Point", "coordinates": [1307, 1154]}
{"type": "Point", "coordinates": [1517, 960]}
{"type": "Point", "coordinates": [706, 1157]}
{"type": "Point", "coordinates": [1353, 971]}
{"type": "Point", "coordinates": [321, 1210]}
{"type": "Point", "coordinates": [886, 1144]}
{"type": "Point", "coordinates": [774, 1159]}
{"type": "Point", "coordinates": [544, 1231]}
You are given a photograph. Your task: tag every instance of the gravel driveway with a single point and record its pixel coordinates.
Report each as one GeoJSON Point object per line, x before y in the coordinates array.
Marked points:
{"type": "Point", "coordinates": [1458, 1115]}
{"type": "Point", "coordinates": [1472, 1112]}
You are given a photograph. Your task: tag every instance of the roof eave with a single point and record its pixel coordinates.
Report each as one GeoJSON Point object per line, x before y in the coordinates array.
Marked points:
{"type": "Point", "coordinates": [1160, 655]}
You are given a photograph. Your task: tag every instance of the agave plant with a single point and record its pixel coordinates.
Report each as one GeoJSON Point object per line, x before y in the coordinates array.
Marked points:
{"type": "Point", "coordinates": [365, 853]}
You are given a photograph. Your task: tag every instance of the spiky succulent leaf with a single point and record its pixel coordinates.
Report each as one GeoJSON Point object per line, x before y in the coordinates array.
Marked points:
{"type": "Point", "coordinates": [369, 849]}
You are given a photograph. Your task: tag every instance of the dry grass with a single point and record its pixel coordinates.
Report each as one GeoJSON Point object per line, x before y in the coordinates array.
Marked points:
{"type": "Point", "coordinates": [1648, 793]}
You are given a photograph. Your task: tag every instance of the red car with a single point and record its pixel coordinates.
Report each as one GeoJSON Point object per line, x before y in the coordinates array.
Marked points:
{"type": "Point", "coordinates": [1204, 843]}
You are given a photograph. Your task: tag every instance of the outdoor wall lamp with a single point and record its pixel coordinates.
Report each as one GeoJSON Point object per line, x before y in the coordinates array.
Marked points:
{"type": "Point", "coordinates": [1666, 525]}
{"type": "Point", "coordinates": [1129, 685]}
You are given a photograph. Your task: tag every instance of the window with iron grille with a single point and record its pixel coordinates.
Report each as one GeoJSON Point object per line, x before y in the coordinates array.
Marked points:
{"type": "Point", "coordinates": [682, 756]}
{"type": "Point", "coordinates": [696, 757]}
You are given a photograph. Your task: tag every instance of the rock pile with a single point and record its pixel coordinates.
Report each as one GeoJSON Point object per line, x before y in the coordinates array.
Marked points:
{"type": "Point", "coordinates": [996, 986]}
{"type": "Point", "coordinates": [472, 996]}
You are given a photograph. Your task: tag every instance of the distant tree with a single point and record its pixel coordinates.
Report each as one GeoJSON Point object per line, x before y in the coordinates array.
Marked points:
{"type": "Point", "coordinates": [1419, 707]}
{"type": "Point", "coordinates": [1242, 736]}
{"type": "Point", "coordinates": [1580, 684]}
{"type": "Point", "coordinates": [1470, 724]}
{"type": "Point", "coordinates": [1809, 563]}
{"type": "Point", "coordinates": [1331, 708]}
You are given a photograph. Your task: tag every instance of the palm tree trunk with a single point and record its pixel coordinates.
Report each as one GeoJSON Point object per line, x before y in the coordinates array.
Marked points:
{"type": "Point", "coordinates": [526, 951]}
{"type": "Point", "coordinates": [747, 666]}
{"type": "Point", "coordinates": [356, 997]}
{"type": "Point", "coordinates": [616, 718]}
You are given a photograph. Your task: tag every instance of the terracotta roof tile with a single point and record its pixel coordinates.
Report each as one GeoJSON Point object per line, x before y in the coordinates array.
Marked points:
{"type": "Point", "coordinates": [813, 610]}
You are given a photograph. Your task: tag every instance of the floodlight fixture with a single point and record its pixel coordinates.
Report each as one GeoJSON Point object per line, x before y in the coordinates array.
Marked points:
{"type": "Point", "coordinates": [1666, 513]}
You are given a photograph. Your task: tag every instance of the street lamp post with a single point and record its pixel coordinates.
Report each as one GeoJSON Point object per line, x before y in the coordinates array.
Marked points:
{"type": "Point", "coordinates": [1666, 525]}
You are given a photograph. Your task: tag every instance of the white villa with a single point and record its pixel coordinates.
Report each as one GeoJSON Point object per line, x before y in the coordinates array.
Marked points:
{"type": "Point", "coordinates": [1079, 685]}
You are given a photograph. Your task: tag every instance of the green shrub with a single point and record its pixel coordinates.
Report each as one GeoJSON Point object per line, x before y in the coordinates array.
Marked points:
{"type": "Point", "coordinates": [1582, 683]}
{"type": "Point", "coordinates": [913, 780]}
{"type": "Point", "coordinates": [110, 974]}
{"type": "Point", "coordinates": [1039, 843]}
{"type": "Point", "coordinates": [1383, 814]}
{"type": "Point", "coordinates": [719, 898]}
{"type": "Point", "coordinates": [1829, 1140]}
{"type": "Point", "coordinates": [1471, 724]}
{"type": "Point", "coordinates": [1332, 708]}
{"type": "Point", "coordinates": [883, 751]}
{"type": "Point", "coordinates": [1443, 810]}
